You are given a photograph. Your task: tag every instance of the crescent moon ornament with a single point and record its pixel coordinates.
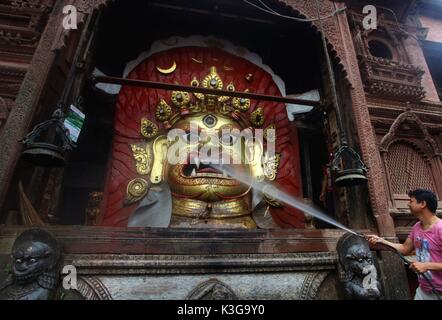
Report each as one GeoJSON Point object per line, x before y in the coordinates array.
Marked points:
{"type": "Point", "coordinates": [167, 71]}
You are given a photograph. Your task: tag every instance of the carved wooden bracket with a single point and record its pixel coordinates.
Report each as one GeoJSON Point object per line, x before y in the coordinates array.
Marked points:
{"type": "Point", "coordinates": [19, 38]}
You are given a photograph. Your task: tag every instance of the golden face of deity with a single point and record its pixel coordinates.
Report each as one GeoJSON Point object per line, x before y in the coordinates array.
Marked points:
{"type": "Point", "coordinates": [204, 139]}
{"type": "Point", "coordinates": [207, 138]}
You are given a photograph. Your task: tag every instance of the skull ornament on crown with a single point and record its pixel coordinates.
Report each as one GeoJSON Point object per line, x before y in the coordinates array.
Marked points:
{"type": "Point", "coordinates": [152, 126]}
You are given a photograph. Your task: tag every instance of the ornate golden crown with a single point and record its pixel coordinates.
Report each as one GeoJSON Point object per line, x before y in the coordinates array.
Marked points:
{"type": "Point", "coordinates": [181, 100]}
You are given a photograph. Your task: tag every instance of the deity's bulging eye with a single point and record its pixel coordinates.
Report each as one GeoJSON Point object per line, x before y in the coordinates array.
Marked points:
{"type": "Point", "coordinates": [190, 138]}
{"type": "Point", "coordinates": [32, 260]}
{"type": "Point", "coordinates": [228, 139]}
{"type": "Point", "coordinates": [19, 261]}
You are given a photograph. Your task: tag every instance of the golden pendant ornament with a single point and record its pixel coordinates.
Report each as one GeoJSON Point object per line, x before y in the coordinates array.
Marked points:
{"type": "Point", "coordinates": [168, 70]}
{"type": "Point", "coordinates": [230, 88]}
{"type": "Point", "coordinates": [180, 98]}
{"type": "Point", "coordinates": [143, 158]}
{"type": "Point", "coordinates": [213, 80]}
{"type": "Point", "coordinates": [241, 104]}
{"type": "Point", "coordinates": [159, 149]}
{"type": "Point", "coordinates": [271, 166]}
{"type": "Point", "coordinates": [257, 117]}
{"type": "Point", "coordinates": [136, 190]}
{"type": "Point", "coordinates": [149, 129]}
{"type": "Point", "coordinates": [195, 83]}
{"type": "Point", "coordinates": [164, 111]}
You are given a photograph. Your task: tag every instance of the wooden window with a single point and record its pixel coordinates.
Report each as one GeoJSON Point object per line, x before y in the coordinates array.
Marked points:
{"type": "Point", "coordinates": [408, 170]}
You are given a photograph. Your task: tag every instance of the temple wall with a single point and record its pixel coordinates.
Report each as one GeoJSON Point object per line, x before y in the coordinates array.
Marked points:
{"type": "Point", "coordinates": [22, 24]}
{"type": "Point", "coordinates": [434, 26]}
{"type": "Point", "coordinates": [417, 58]}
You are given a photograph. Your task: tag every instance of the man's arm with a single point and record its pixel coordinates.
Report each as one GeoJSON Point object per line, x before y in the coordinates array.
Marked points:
{"type": "Point", "coordinates": [406, 248]}
{"type": "Point", "coordinates": [422, 267]}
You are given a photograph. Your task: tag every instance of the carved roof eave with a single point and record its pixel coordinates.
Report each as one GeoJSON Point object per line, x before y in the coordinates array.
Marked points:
{"type": "Point", "coordinates": [388, 85]}
{"type": "Point", "coordinates": [16, 10]}
{"type": "Point", "coordinates": [424, 106]}
{"type": "Point", "coordinates": [391, 64]}
{"type": "Point", "coordinates": [394, 132]}
{"type": "Point", "coordinates": [301, 8]}
{"type": "Point", "coordinates": [383, 22]}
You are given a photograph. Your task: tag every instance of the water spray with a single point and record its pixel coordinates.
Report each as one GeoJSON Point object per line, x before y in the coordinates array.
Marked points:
{"type": "Point", "coordinates": [287, 199]}
{"type": "Point", "coordinates": [281, 196]}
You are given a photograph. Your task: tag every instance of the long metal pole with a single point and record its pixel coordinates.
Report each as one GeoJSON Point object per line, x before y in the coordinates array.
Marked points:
{"type": "Point", "coordinates": [62, 104]}
{"type": "Point", "coordinates": [177, 87]}
{"type": "Point", "coordinates": [332, 79]}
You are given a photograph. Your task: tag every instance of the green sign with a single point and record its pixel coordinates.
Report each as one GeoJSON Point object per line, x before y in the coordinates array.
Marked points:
{"type": "Point", "coordinates": [74, 122]}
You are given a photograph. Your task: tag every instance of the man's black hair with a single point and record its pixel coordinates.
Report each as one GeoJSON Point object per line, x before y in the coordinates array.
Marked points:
{"type": "Point", "coordinates": [425, 195]}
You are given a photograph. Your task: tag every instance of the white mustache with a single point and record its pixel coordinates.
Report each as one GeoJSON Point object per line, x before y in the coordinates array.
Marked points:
{"type": "Point", "coordinates": [371, 278]}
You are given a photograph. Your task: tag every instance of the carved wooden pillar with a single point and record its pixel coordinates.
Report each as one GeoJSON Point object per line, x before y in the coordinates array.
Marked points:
{"type": "Point", "coordinates": [52, 43]}
{"type": "Point", "coordinates": [436, 170]}
{"type": "Point", "coordinates": [5, 109]}
{"type": "Point", "coordinates": [393, 275]}
{"type": "Point", "coordinates": [27, 102]}
{"type": "Point", "coordinates": [387, 176]}
{"type": "Point", "coordinates": [370, 152]}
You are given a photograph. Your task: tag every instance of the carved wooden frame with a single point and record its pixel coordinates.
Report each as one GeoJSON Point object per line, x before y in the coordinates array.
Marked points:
{"type": "Point", "coordinates": [426, 147]}
{"type": "Point", "coordinates": [385, 77]}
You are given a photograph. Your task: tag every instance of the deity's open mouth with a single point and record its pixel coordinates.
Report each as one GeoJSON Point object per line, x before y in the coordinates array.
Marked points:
{"type": "Point", "coordinates": [199, 167]}
{"type": "Point", "coordinates": [200, 170]}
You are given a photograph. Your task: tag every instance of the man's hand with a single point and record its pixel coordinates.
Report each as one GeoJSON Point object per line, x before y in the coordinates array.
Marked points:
{"type": "Point", "coordinates": [406, 248]}
{"type": "Point", "coordinates": [322, 197]}
{"type": "Point", "coordinates": [420, 267]}
{"type": "Point", "coordinates": [374, 239]}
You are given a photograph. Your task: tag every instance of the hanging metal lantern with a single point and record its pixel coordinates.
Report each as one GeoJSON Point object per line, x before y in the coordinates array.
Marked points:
{"type": "Point", "coordinates": [49, 142]}
{"type": "Point", "coordinates": [348, 168]}
{"type": "Point", "coordinates": [46, 145]}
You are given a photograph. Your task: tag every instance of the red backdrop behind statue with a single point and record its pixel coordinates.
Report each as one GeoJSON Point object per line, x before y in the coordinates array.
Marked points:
{"type": "Point", "coordinates": [135, 103]}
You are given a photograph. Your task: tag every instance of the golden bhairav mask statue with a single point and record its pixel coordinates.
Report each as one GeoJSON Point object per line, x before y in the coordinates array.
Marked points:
{"type": "Point", "coordinates": [166, 143]}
